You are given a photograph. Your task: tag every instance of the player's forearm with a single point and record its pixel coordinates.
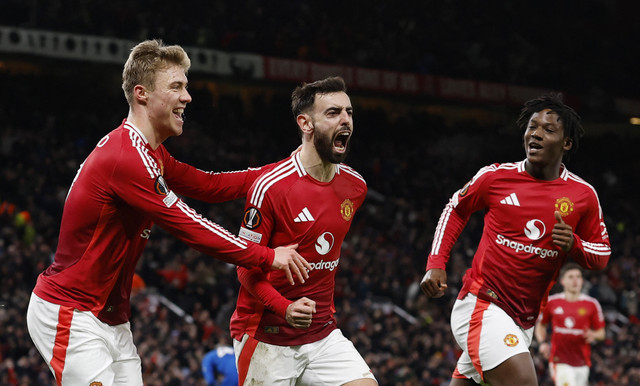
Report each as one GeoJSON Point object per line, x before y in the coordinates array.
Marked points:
{"type": "Point", "coordinates": [591, 255]}
{"type": "Point", "coordinates": [256, 283]}
{"type": "Point", "coordinates": [540, 332]}
{"type": "Point", "coordinates": [595, 335]}
{"type": "Point", "coordinates": [213, 240]}
{"type": "Point", "coordinates": [450, 226]}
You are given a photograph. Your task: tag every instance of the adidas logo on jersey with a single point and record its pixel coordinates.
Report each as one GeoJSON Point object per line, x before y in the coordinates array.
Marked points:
{"type": "Point", "coordinates": [511, 199]}
{"type": "Point", "coordinates": [304, 216]}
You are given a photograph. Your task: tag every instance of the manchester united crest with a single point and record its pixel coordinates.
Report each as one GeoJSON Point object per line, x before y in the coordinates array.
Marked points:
{"type": "Point", "coordinates": [346, 209]}
{"type": "Point", "coordinates": [511, 340]}
{"type": "Point", "coordinates": [564, 206]}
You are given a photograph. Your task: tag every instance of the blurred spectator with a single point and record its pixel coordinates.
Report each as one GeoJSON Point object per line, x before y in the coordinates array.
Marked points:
{"type": "Point", "coordinates": [219, 366]}
{"type": "Point", "coordinates": [444, 38]}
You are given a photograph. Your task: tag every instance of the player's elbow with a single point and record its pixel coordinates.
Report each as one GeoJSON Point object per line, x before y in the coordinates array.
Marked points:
{"type": "Point", "coordinates": [593, 262]}
{"type": "Point", "coordinates": [600, 264]}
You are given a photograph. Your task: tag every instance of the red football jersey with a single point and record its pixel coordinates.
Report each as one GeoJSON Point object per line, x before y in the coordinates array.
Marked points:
{"type": "Point", "coordinates": [287, 206]}
{"type": "Point", "coordinates": [119, 192]}
{"type": "Point", "coordinates": [516, 260]}
{"type": "Point", "coordinates": [569, 321]}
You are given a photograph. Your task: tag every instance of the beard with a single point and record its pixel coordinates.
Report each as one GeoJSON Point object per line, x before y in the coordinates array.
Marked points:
{"type": "Point", "coordinates": [324, 147]}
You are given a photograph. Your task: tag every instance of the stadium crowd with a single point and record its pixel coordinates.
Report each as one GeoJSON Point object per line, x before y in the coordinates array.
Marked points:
{"type": "Point", "coordinates": [411, 161]}
{"type": "Point", "coordinates": [507, 42]}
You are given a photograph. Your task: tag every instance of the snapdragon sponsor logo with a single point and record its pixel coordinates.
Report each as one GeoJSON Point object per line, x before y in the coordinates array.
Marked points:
{"type": "Point", "coordinates": [330, 265]}
{"type": "Point", "coordinates": [569, 331]}
{"type": "Point", "coordinates": [519, 247]}
{"type": "Point", "coordinates": [324, 243]}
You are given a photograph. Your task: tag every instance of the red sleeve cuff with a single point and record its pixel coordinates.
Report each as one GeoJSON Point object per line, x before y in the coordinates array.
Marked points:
{"type": "Point", "coordinates": [279, 306]}
{"type": "Point", "coordinates": [435, 261]}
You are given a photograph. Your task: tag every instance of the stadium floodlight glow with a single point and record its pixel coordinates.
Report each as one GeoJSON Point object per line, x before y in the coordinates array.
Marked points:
{"type": "Point", "coordinates": [634, 120]}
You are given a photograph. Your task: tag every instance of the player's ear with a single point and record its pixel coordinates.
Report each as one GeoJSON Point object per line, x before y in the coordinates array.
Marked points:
{"type": "Point", "coordinates": [140, 93]}
{"type": "Point", "coordinates": [305, 124]}
{"type": "Point", "coordinates": [568, 143]}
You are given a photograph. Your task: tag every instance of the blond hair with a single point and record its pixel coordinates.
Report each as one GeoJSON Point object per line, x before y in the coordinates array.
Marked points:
{"type": "Point", "coordinates": [145, 60]}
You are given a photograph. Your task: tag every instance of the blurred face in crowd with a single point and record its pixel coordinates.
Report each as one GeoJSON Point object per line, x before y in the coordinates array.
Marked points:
{"type": "Point", "coordinates": [332, 120]}
{"type": "Point", "coordinates": [544, 139]}
{"type": "Point", "coordinates": [167, 101]}
{"type": "Point", "coordinates": [572, 281]}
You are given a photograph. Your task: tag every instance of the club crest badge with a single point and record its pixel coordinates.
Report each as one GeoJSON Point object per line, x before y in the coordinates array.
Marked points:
{"type": "Point", "coordinates": [564, 206]}
{"type": "Point", "coordinates": [346, 209]}
{"type": "Point", "coordinates": [511, 340]}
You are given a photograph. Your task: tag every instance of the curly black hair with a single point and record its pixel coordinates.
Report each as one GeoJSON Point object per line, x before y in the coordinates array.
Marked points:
{"type": "Point", "coordinates": [571, 121]}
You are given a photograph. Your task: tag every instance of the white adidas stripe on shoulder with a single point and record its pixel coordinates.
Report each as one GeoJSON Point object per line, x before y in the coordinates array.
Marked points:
{"type": "Point", "coordinates": [351, 171]}
{"type": "Point", "coordinates": [139, 142]}
{"type": "Point", "coordinates": [576, 178]}
{"type": "Point", "coordinates": [559, 295]}
{"type": "Point", "coordinates": [298, 164]}
{"type": "Point", "coordinates": [264, 182]}
{"type": "Point", "coordinates": [510, 165]}
{"type": "Point", "coordinates": [587, 297]}
{"type": "Point", "coordinates": [484, 170]}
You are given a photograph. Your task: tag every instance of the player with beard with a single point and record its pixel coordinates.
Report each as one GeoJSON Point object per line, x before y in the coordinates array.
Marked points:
{"type": "Point", "coordinates": [78, 315]}
{"type": "Point", "coordinates": [284, 334]}
{"type": "Point", "coordinates": [537, 215]}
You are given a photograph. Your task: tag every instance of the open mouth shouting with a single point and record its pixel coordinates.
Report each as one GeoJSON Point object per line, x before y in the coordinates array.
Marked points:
{"type": "Point", "coordinates": [341, 139]}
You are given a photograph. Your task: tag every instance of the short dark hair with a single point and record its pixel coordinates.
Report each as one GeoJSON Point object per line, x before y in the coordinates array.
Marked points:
{"type": "Point", "coordinates": [571, 121]}
{"type": "Point", "coordinates": [304, 95]}
{"type": "Point", "coordinates": [569, 267]}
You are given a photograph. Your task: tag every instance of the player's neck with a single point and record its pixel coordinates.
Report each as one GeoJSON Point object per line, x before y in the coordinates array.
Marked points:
{"type": "Point", "coordinates": [571, 296]}
{"type": "Point", "coordinates": [145, 128]}
{"type": "Point", "coordinates": [548, 172]}
{"type": "Point", "coordinates": [314, 165]}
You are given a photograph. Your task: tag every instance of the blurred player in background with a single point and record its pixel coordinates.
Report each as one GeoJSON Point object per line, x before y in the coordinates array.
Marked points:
{"type": "Point", "coordinates": [537, 215]}
{"type": "Point", "coordinates": [284, 334]}
{"type": "Point", "coordinates": [576, 322]}
{"type": "Point", "coordinates": [78, 316]}
{"type": "Point", "coordinates": [219, 366]}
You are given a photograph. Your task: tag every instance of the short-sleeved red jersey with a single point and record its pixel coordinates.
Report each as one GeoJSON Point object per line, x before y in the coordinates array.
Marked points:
{"type": "Point", "coordinates": [287, 206]}
{"type": "Point", "coordinates": [569, 320]}
{"type": "Point", "coordinates": [119, 192]}
{"type": "Point", "coordinates": [516, 261]}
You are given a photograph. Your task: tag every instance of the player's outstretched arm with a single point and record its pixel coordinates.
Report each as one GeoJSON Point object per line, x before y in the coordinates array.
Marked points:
{"type": "Point", "coordinates": [434, 283]}
{"type": "Point", "coordinates": [288, 260]}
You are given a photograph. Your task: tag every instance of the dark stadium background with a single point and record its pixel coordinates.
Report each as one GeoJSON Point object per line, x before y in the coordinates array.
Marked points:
{"type": "Point", "coordinates": [414, 148]}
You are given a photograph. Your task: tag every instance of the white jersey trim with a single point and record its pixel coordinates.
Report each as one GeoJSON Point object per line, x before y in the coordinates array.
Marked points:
{"type": "Point", "coordinates": [138, 141]}
{"type": "Point", "coordinates": [349, 170]}
{"type": "Point", "coordinates": [211, 226]}
{"type": "Point", "coordinates": [265, 181]}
